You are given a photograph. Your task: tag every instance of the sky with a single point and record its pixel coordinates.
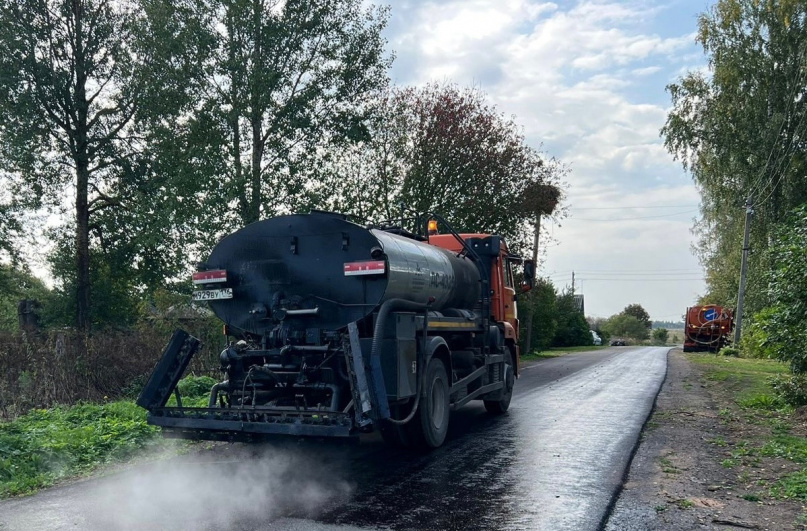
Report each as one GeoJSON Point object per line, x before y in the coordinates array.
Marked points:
{"type": "Point", "coordinates": [586, 81]}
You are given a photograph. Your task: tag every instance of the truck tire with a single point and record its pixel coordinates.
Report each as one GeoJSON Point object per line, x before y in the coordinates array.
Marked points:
{"type": "Point", "coordinates": [497, 407]}
{"type": "Point", "coordinates": [430, 426]}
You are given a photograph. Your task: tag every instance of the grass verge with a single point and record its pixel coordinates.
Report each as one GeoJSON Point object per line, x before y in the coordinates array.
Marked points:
{"type": "Point", "coordinates": [48, 445]}
{"type": "Point", "coordinates": [555, 352]}
{"type": "Point", "coordinates": [768, 435]}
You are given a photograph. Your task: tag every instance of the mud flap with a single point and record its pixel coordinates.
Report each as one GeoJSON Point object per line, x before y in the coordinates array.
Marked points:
{"type": "Point", "coordinates": [168, 371]}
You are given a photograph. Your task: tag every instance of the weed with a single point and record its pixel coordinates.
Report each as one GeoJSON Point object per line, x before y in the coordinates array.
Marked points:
{"type": "Point", "coordinates": [46, 445]}
{"type": "Point", "coordinates": [761, 401]}
{"type": "Point", "coordinates": [667, 466]}
{"type": "Point", "coordinates": [751, 497]}
{"type": "Point", "coordinates": [728, 463]}
{"type": "Point", "coordinates": [660, 508]}
{"type": "Point", "coordinates": [683, 503]}
{"type": "Point", "coordinates": [718, 441]}
{"type": "Point", "coordinates": [791, 486]}
{"type": "Point", "coordinates": [787, 447]}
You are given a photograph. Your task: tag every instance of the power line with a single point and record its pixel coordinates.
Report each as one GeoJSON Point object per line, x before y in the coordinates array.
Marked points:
{"type": "Point", "coordinates": [642, 217]}
{"type": "Point", "coordinates": [625, 207]}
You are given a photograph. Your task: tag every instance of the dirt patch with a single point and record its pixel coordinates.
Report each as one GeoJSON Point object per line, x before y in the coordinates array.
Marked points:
{"type": "Point", "coordinates": [692, 470]}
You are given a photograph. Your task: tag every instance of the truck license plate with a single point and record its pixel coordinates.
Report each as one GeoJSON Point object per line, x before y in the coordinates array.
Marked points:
{"type": "Point", "coordinates": [213, 294]}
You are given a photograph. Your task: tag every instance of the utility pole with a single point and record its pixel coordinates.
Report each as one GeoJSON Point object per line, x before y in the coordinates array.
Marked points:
{"type": "Point", "coordinates": [572, 282]}
{"type": "Point", "coordinates": [738, 323]}
{"type": "Point", "coordinates": [528, 342]}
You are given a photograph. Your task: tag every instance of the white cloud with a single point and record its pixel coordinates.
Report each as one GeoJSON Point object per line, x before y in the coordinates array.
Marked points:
{"type": "Point", "coordinates": [587, 81]}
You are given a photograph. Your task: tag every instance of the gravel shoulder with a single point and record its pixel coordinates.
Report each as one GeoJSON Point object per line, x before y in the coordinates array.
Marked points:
{"type": "Point", "coordinates": [685, 473]}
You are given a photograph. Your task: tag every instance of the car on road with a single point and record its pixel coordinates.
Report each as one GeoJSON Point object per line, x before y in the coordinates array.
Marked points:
{"type": "Point", "coordinates": [618, 343]}
{"type": "Point", "coordinates": [596, 338]}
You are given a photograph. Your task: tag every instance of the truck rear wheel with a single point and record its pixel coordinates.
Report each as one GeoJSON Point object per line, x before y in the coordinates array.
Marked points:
{"type": "Point", "coordinates": [430, 426]}
{"type": "Point", "coordinates": [500, 406]}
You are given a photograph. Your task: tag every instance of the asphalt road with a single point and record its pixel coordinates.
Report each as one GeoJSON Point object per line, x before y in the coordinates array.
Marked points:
{"type": "Point", "coordinates": [555, 462]}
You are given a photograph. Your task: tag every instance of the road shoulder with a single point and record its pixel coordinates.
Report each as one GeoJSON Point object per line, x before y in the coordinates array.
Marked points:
{"type": "Point", "coordinates": [678, 478]}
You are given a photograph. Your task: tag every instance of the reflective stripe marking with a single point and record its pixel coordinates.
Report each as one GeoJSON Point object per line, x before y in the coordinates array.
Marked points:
{"type": "Point", "coordinates": [209, 277]}
{"type": "Point", "coordinates": [374, 267]}
{"type": "Point", "coordinates": [444, 324]}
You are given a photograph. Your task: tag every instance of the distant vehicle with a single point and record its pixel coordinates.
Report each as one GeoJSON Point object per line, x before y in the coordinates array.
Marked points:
{"type": "Point", "coordinates": [707, 327]}
{"type": "Point", "coordinates": [596, 338]}
{"type": "Point", "coordinates": [618, 343]}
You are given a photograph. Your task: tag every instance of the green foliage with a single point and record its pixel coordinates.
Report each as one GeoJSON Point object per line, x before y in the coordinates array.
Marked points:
{"type": "Point", "coordinates": [46, 445]}
{"type": "Point", "coordinates": [196, 386]}
{"type": "Point", "coordinates": [572, 327]}
{"type": "Point", "coordinates": [754, 342]}
{"type": "Point", "coordinates": [791, 388]}
{"type": "Point", "coordinates": [785, 323]}
{"type": "Point", "coordinates": [540, 304]}
{"type": "Point", "coordinates": [15, 285]}
{"type": "Point", "coordinates": [660, 336]}
{"type": "Point", "coordinates": [738, 144]}
{"type": "Point", "coordinates": [639, 313]}
{"type": "Point", "coordinates": [623, 325]}
{"type": "Point", "coordinates": [730, 351]}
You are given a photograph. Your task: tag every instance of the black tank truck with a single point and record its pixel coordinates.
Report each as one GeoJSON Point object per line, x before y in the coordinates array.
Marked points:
{"type": "Point", "coordinates": [336, 329]}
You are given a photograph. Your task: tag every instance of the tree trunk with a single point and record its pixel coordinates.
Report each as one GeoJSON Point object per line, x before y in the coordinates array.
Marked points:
{"type": "Point", "coordinates": [256, 116]}
{"type": "Point", "coordinates": [81, 156]}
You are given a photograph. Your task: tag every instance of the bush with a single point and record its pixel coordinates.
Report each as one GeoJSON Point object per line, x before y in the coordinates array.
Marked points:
{"type": "Point", "coordinates": [660, 336]}
{"type": "Point", "coordinates": [755, 342]}
{"type": "Point", "coordinates": [195, 386]}
{"type": "Point", "coordinates": [791, 388]}
{"type": "Point", "coordinates": [730, 351]}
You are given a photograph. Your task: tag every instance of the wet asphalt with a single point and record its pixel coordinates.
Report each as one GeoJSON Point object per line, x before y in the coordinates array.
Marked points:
{"type": "Point", "coordinates": [555, 461]}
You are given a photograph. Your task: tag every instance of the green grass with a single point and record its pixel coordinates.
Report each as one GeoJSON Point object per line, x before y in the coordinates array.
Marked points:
{"type": "Point", "coordinates": [555, 352]}
{"type": "Point", "coordinates": [746, 378]}
{"type": "Point", "coordinates": [748, 384]}
{"type": "Point", "coordinates": [48, 445]}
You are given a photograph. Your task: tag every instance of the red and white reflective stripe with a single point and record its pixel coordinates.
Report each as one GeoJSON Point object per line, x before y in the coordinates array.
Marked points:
{"type": "Point", "coordinates": [210, 277]}
{"type": "Point", "coordinates": [374, 267]}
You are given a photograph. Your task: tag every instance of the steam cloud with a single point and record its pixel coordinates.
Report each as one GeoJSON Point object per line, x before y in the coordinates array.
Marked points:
{"type": "Point", "coordinates": [240, 486]}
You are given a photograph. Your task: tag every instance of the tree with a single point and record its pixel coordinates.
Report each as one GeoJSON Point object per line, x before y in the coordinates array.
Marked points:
{"type": "Point", "coordinates": [740, 131]}
{"type": "Point", "coordinates": [541, 307]}
{"type": "Point", "coordinates": [785, 322]}
{"type": "Point", "coordinates": [661, 335]}
{"type": "Point", "coordinates": [285, 81]}
{"type": "Point", "coordinates": [639, 313]}
{"type": "Point", "coordinates": [444, 149]}
{"type": "Point", "coordinates": [572, 328]}
{"type": "Point", "coordinates": [71, 83]}
{"type": "Point", "coordinates": [17, 284]}
{"type": "Point", "coordinates": [624, 325]}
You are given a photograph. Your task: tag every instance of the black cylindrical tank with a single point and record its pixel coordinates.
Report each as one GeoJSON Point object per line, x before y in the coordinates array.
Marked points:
{"type": "Point", "coordinates": [323, 272]}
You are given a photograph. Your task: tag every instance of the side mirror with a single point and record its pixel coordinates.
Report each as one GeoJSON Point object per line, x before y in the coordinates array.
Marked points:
{"type": "Point", "coordinates": [529, 276]}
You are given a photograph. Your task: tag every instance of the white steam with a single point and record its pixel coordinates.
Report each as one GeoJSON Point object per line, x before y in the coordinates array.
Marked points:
{"type": "Point", "coordinates": [240, 486]}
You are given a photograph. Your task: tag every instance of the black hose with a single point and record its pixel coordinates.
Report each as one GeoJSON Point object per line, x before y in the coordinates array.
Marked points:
{"type": "Point", "coordinates": [386, 308]}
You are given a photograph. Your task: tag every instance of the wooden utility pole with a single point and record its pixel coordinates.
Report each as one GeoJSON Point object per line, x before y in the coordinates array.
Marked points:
{"type": "Point", "coordinates": [738, 321]}
{"type": "Point", "coordinates": [528, 342]}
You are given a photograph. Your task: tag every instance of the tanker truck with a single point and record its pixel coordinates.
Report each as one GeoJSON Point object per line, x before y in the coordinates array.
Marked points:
{"type": "Point", "coordinates": [336, 329]}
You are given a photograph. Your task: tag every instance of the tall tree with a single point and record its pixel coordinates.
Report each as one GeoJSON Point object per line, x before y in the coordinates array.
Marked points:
{"type": "Point", "coordinates": [637, 311]}
{"type": "Point", "coordinates": [740, 130]}
{"type": "Point", "coordinates": [442, 148]}
{"type": "Point", "coordinates": [71, 79]}
{"type": "Point", "coordinates": [285, 81]}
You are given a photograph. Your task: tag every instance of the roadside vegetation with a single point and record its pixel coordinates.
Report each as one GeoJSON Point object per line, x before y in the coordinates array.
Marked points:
{"type": "Point", "coordinates": [45, 446]}
{"type": "Point", "coordinates": [767, 443]}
